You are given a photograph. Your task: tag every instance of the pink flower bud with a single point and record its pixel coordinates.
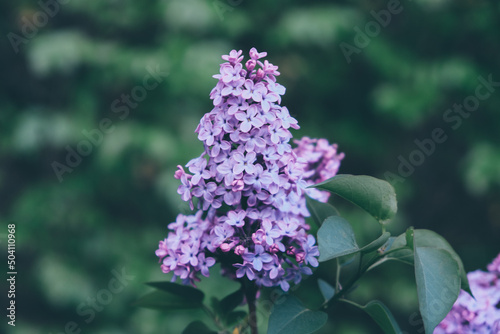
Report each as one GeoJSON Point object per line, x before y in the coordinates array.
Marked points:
{"type": "Point", "coordinates": [274, 249]}
{"type": "Point", "coordinates": [238, 185]}
{"type": "Point", "coordinates": [299, 257]}
{"type": "Point", "coordinates": [260, 74]}
{"type": "Point", "coordinates": [240, 249]}
{"type": "Point", "coordinates": [250, 65]}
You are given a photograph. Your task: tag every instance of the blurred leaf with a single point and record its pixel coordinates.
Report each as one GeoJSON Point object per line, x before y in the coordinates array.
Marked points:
{"type": "Point", "coordinates": [197, 327]}
{"type": "Point", "coordinates": [166, 301]}
{"type": "Point", "coordinates": [290, 317]}
{"type": "Point", "coordinates": [231, 301]}
{"type": "Point", "coordinates": [217, 286]}
{"type": "Point", "coordinates": [438, 284]}
{"type": "Point", "coordinates": [234, 317]}
{"type": "Point", "coordinates": [375, 196]}
{"type": "Point", "coordinates": [336, 238]}
{"type": "Point", "coordinates": [482, 168]}
{"type": "Point", "coordinates": [319, 25]}
{"type": "Point", "coordinates": [185, 291]}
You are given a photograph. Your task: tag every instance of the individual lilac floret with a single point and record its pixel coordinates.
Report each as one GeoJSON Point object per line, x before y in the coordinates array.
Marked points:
{"type": "Point", "coordinates": [249, 184]}
{"type": "Point", "coordinates": [480, 314]}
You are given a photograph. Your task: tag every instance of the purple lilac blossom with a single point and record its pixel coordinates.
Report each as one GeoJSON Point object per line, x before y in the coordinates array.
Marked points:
{"type": "Point", "coordinates": [249, 184]}
{"type": "Point", "coordinates": [480, 314]}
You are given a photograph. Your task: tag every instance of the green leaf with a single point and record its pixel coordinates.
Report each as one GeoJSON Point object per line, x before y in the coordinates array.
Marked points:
{"type": "Point", "coordinates": [326, 289]}
{"type": "Point", "coordinates": [166, 301]}
{"type": "Point", "coordinates": [376, 244]}
{"type": "Point", "coordinates": [409, 236]}
{"type": "Point", "coordinates": [375, 196]}
{"type": "Point", "coordinates": [231, 301]}
{"type": "Point", "coordinates": [179, 290]}
{"type": "Point", "coordinates": [427, 238]}
{"type": "Point", "coordinates": [198, 327]}
{"type": "Point", "coordinates": [320, 211]}
{"type": "Point", "coordinates": [291, 317]}
{"type": "Point", "coordinates": [403, 255]}
{"type": "Point", "coordinates": [438, 284]}
{"type": "Point", "coordinates": [234, 317]}
{"type": "Point", "coordinates": [217, 286]}
{"type": "Point", "coordinates": [380, 314]}
{"type": "Point", "coordinates": [336, 238]}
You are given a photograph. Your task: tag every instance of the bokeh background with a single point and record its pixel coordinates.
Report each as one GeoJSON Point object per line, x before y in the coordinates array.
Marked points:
{"type": "Point", "coordinates": [67, 68]}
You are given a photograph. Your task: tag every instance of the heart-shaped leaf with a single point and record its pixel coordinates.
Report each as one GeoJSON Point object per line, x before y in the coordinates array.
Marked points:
{"type": "Point", "coordinates": [291, 317]}
{"type": "Point", "coordinates": [427, 238]}
{"type": "Point", "coordinates": [380, 314]}
{"type": "Point", "coordinates": [375, 196]}
{"type": "Point", "coordinates": [438, 284]}
{"type": "Point", "coordinates": [336, 238]}
{"type": "Point", "coordinates": [320, 211]}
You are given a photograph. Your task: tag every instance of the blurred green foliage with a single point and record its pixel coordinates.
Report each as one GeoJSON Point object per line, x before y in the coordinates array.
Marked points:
{"type": "Point", "coordinates": [63, 74]}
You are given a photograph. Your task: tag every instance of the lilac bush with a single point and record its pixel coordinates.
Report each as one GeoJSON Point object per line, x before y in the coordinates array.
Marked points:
{"type": "Point", "coordinates": [249, 185]}
{"type": "Point", "coordinates": [480, 314]}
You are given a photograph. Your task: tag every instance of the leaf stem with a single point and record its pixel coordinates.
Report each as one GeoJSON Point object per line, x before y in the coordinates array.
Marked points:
{"type": "Point", "coordinates": [337, 275]}
{"type": "Point", "coordinates": [349, 302]}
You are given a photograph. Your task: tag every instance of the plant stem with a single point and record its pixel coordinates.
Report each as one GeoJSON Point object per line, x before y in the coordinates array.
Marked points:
{"type": "Point", "coordinates": [251, 294]}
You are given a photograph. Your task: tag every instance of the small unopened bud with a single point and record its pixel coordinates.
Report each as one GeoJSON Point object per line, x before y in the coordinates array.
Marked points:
{"type": "Point", "coordinates": [299, 257]}
{"type": "Point", "coordinates": [274, 249]}
{"type": "Point", "coordinates": [250, 64]}
{"type": "Point", "coordinates": [238, 185]}
{"type": "Point", "coordinates": [239, 250]}
{"type": "Point", "coordinates": [260, 74]}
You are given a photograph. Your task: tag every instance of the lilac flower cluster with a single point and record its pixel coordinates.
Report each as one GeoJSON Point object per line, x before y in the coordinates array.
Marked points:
{"type": "Point", "coordinates": [249, 184]}
{"type": "Point", "coordinates": [480, 314]}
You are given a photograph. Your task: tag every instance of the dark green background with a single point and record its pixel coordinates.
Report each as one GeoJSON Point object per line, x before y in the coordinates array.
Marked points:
{"type": "Point", "coordinates": [111, 210]}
